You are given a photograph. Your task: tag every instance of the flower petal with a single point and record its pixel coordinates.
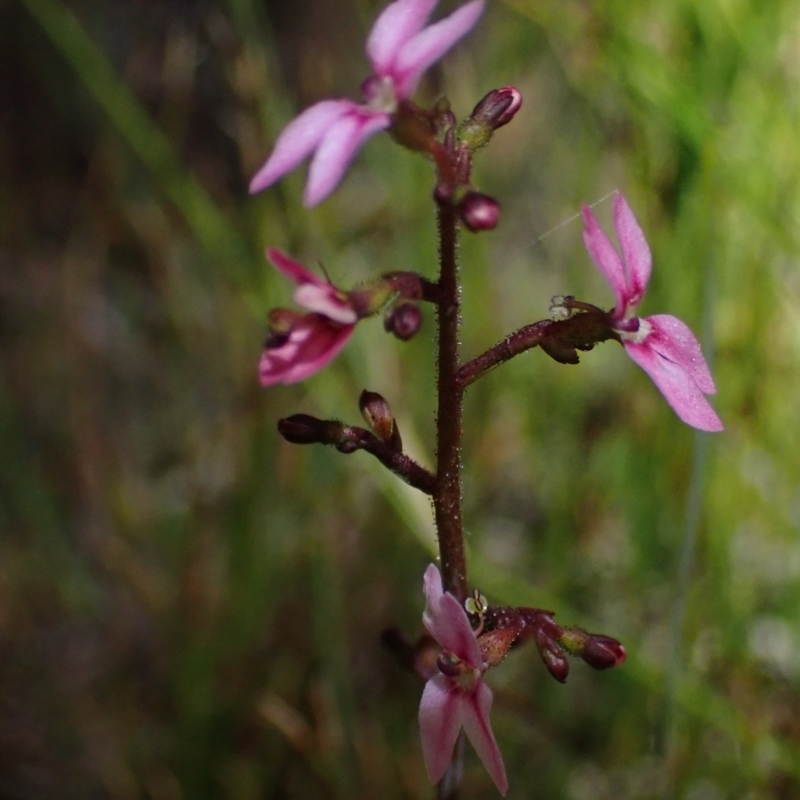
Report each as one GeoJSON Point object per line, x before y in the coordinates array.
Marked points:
{"type": "Point", "coordinates": [475, 719]}
{"type": "Point", "coordinates": [313, 292]}
{"type": "Point", "coordinates": [432, 589]}
{"type": "Point", "coordinates": [313, 342]}
{"type": "Point", "coordinates": [298, 139]}
{"type": "Point", "coordinates": [395, 25]}
{"type": "Point", "coordinates": [325, 300]}
{"type": "Point", "coordinates": [675, 341]}
{"type": "Point", "coordinates": [337, 148]}
{"type": "Point", "coordinates": [293, 269]}
{"type": "Point", "coordinates": [439, 724]}
{"type": "Point", "coordinates": [326, 342]}
{"type": "Point", "coordinates": [635, 250]}
{"type": "Point", "coordinates": [276, 361]}
{"type": "Point", "coordinates": [430, 45]}
{"type": "Point", "coordinates": [447, 621]}
{"type": "Point", "coordinates": [606, 258]}
{"type": "Point", "coordinates": [680, 390]}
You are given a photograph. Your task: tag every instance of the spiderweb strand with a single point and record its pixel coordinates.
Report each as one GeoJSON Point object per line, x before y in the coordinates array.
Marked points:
{"type": "Point", "coordinates": [561, 224]}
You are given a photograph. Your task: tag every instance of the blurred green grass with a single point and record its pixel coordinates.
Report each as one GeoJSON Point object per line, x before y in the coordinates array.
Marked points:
{"type": "Point", "coordinates": [191, 608]}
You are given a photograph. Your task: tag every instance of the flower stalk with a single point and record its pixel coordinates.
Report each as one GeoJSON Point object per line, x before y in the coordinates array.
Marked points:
{"type": "Point", "coordinates": [466, 636]}
{"type": "Point", "coordinates": [447, 495]}
{"type": "Point", "coordinates": [305, 429]}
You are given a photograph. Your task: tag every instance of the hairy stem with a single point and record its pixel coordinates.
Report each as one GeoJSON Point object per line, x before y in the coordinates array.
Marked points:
{"type": "Point", "coordinates": [447, 496]}
{"type": "Point", "coordinates": [400, 464]}
{"type": "Point", "coordinates": [559, 338]}
{"type": "Point", "coordinates": [514, 344]}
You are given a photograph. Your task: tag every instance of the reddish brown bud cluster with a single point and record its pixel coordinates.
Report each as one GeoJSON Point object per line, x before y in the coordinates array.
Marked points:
{"type": "Point", "coordinates": [382, 440]}
{"type": "Point", "coordinates": [553, 642]}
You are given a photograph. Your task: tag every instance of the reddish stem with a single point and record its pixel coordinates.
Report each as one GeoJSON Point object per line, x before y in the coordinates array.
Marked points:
{"type": "Point", "coordinates": [447, 494]}
{"type": "Point", "coordinates": [580, 332]}
{"type": "Point", "coordinates": [514, 344]}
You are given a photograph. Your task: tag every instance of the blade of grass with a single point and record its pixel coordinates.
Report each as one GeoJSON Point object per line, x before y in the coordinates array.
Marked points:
{"type": "Point", "coordinates": [144, 136]}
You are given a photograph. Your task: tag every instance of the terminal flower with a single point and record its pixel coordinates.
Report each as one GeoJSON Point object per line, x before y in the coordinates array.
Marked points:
{"type": "Point", "coordinates": [661, 345]}
{"type": "Point", "coordinates": [456, 696]}
{"type": "Point", "coordinates": [400, 49]}
{"type": "Point", "coordinates": [301, 344]}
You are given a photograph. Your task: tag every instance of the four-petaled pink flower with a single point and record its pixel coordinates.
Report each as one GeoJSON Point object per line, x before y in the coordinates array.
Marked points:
{"type": "Point", "coordinates": [457, 696]}
{"type": "Point", "coordinates": [301, 344]}
{"type": "Point", "coordinates": [400, 49]}
{"type": "Point", "coordinates": [661, 345]}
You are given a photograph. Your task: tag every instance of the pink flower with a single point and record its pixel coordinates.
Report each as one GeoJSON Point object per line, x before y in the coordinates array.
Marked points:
{"type": "Point", "coordinates": [400, 49]}
{"type": "Point", "coordinates": [661, 345]}
{"type": "Point", "coordinates": [301, 344]}
{"type": "Point", "coordinates": [457, 696]}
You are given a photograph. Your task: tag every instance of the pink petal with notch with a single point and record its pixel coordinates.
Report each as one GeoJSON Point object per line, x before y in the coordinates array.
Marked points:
{"type": "Point", "coordinates": [298, 139]}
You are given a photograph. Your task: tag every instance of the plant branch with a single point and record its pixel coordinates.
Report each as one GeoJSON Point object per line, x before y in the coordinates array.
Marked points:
{"type": "Point", "coordinates": [304, 429]}
{"type": "Point", "coordinates": [560, 339]}
{"type": "Point", "coordinates": [400, 464]}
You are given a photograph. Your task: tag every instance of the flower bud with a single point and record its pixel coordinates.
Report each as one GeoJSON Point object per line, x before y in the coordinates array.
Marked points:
{"type": "Point", "coordinates": [403, 320]}
{"type": "Point", "coordinates": [603, 652]}
{"type": "Point", "coordinates": [495, 110]}
{"type": "Point", "coordinates": [556, 662]}
{"type": "Point", "coordinates": [378, 415]}
{"type": "Point", "coordinates": [370, 298]}
{"type": "Point", "coordinates": [305, 429]}
{"type": "Point", "coordinates": [498, 107]}
{"type": "Point", "coordinates": [546, 635]}
{"type": "Point", "coordinates": [479, 212]}
{"type": "Point", "coordinates": [408, 285]}
{"type": "Point", "coordinates": [597, 650]}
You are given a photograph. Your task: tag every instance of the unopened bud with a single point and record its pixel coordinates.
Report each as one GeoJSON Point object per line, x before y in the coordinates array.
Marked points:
{"type": "Point", "coordinates": [408, 285]}
{"type": "Point", "coordinates": [305, 429]}
{"type": "Point", "coordinates": [495, 110]}
{"type": "Point", "coordinates": [603, 652]}
{"type": "Point", "coordinates": [403, 320]}
{"type": "Point", "coordinates": [371, 298]}
{"type": "Point", "coordinates": [498, 107]}
{"type": "Point", "coordinates": [556, 662]}
{"type": "Point", "coordinates": [597, 650]}
{"type": "Point", "coordinates": [378, 415]}
{"type": "Point", "coordinates": [545, 634]}
{"type": "Point", "coordinates": [479, 212]}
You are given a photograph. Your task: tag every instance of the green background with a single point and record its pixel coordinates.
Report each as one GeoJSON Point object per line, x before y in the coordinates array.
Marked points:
{"type": "Point", "coordinates": [190, 607]}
